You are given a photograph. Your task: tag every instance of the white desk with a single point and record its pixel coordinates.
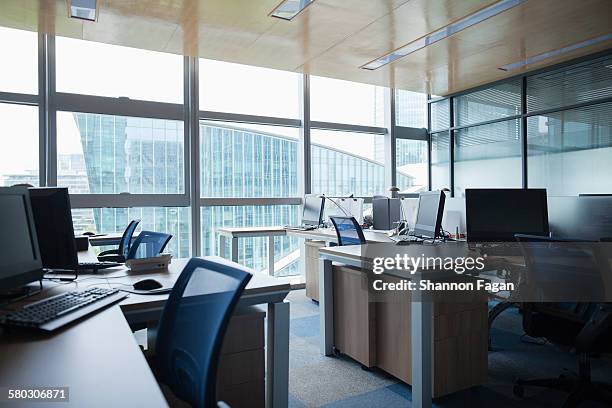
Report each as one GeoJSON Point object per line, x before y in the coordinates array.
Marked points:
{"type": "Point", "coordinates": [99, 359]}
{"type": "Point", "coordinates": [320, 234]}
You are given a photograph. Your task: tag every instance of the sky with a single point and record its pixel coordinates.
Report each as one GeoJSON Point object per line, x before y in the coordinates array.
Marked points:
{"type": "Point", "coordinates": [100, 69]}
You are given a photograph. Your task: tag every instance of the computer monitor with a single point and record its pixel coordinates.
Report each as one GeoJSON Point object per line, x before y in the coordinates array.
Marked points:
{"type": "Point", "coordinates": [20, 261]}
{"type": "Point", "coordinates": [430, 210]}
{"type": "Point", "coordinates": [312, 213]}
{"type": "Point", "coordinates": [495, 215]}
{"type": "Point", "coordinates": [53, 218]}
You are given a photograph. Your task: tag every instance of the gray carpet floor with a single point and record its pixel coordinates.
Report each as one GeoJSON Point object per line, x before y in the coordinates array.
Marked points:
{"type": "Point", "coordinates": [319, 381]}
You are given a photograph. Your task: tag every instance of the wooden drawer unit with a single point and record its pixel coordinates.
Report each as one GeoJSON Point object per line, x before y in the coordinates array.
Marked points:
{"type": "Point", "coordinates": [311, 268]}
{"type": "Point", "coordinates": [241, 372]}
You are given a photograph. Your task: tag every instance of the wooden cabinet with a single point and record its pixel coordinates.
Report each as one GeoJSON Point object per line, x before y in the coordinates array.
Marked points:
{"type": "Point", "coordinates": [375, 330]}
{"type": "Point", "coordinates": [311, 268]}
{"type": "Point", "coordinates": [241, 372]}
{"type": "Point", "coordinates": [354, 313]}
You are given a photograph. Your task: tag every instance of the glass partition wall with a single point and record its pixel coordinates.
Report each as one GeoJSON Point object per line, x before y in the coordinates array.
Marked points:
{"type": "Point", "coordinates": [191, 145]}
{"type": "Point", "coordinates": [549, 128]}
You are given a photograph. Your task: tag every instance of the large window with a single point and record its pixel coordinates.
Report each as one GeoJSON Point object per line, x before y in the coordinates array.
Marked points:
{"type": "Point", "coordinates": [236, 88]}
{"type": "Point", "coordinates": [105, 154]}
{"type": "Point", "coordinates": [171, 220]}
{"type": "Point", "coordinates": [19, 66]}
{"type": "Point", "coordinates": [253, 252]}
{"type": "Point", "coordinates": [19, 139]}
{"type": "Point", "coordinates": [115, 134]}
{"type": "Point", "coordinates": [92, 68]}
{"type": "Point", "coordinates": [332, 100]}
{"type": "Point", "coordinates": [440, 159]}
{"type": "Point", "coordinates": [411, 165]}
{"type": "Point", "coordinates": [243, 160]}
{"type": "Point", "coordinates": [570, 152]}
{"type": "Point", "coordinates": [410, 109]}
{"type": "Point", "coordinates": [345, 163]}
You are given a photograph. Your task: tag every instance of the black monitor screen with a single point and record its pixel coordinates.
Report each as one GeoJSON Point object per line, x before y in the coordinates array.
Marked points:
{"type": "Point", "coordinates": [20, 261]}
{"type": "Point", "coordinates": [495, 215]}
{"type": "Point", "coordinates": [429, 214]}
{"type": "Point", "coordinates": [313, 208]}
{"type": "Point", "coordinates": [16, 245]}
{"type": "Point", "coordinates": [53, 218]}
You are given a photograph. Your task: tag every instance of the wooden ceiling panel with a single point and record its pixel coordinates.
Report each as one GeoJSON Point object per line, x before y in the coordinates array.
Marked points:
{"type": "Point", "coordinates": [334, 37]}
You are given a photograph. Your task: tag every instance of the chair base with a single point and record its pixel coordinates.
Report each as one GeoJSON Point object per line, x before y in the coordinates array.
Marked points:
{"type": "Point", "coordinates": [580, 388]}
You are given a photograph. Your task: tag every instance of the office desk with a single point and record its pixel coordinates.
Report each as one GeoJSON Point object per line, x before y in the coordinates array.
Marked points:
{"type": "Point", "coordinates": [320, 234]}
{"type": "Point", "coordinates": [98, 359]}
{"type": "Point", "coordinates": [99, 352]}
{"type": "Point", "coordinates": [420, 317]}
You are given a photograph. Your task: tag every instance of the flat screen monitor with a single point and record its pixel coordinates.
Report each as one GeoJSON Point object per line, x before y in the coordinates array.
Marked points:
{"type": "Point", "coordinates": [312, 213]}
{"type": "Point", "coordinates": [53, 218]}
{"type": "Point", "coordinates": [430, 210]}
{"type": "Point", "coordinates": [20, 261]}
{"type": "Point", "coordinates": [495, 215]}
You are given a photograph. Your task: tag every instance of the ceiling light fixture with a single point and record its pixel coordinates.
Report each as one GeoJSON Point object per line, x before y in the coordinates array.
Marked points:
{"type": "Point", "coordinates": [554, 53]}
{"type": "Point", "coordinates": [290, 8]}
{"type": "Point", "coordinates": [443, 33]}
{"type": "Point", "coordinates": [83, 9]}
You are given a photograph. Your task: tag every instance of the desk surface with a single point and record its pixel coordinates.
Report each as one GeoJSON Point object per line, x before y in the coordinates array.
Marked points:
{"type": "Point", "coordinates": [100, 352]}
{"type": "Point", "coordinates": [98, 359]}
{"type": "Point", "coordinates": [322, 234]}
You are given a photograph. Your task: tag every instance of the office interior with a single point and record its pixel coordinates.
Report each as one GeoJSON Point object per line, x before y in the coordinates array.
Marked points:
{"type": "Point", "coordinates": [188, 192]}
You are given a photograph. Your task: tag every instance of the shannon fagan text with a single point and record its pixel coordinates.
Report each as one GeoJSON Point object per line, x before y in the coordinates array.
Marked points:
{"type": "Point", "coordinates": [412, 264]}
{"type": "Point", "coordinates": [428, 285]}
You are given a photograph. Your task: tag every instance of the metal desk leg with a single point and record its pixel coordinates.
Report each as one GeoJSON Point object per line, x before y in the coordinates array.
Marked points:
{"type": "Point", "coordinates": [326, 307]}
{"type": "Point", "coordinates": [421, 353]}
{"type": "Point", "coordinates": [271, 255]}
{"type": "Point", "coordinates": [277, 370]}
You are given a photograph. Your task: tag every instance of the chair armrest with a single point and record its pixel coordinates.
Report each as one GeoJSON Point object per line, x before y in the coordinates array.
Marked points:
{"type": "Point", "coordinates": [109, 252]}
{"type": "Point", "coordinates": [598, 324]}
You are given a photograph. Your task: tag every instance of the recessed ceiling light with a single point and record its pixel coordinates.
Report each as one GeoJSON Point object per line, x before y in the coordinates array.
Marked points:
{"type": "Point", "coordinates": [554, 53]}
{"type": "Point", "coordinates": [83, 9]}
{"type": "Point", "coordinates": [444, 32]}
{"type": "Point", "coordinates": [290, 8]}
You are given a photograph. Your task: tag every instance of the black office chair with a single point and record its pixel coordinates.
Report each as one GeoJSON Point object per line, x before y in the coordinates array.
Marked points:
{"type": "Point", "coordinates": [565, 273]}
{"type": "Point", "coordinates": [192, 326]}
{"type": "Point", "coordinates": [148, 244]}
{"type": "Point", "coordinates": [121, 252]}
{"type": "Point", "coordinates": [348, 230]}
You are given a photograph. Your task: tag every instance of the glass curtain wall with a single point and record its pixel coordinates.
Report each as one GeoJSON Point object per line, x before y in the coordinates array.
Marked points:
{"type": "Point", "coordinates": [120, 144]}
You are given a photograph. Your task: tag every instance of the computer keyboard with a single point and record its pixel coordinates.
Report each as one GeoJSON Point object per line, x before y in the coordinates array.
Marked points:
{"type": "Point", "coordinates": [54, 312]}
{"type": "Point", "coordinates": [89, 266]}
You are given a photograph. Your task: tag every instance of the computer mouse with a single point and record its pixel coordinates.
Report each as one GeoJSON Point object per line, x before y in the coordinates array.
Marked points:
{"type": "Point", "coordinates": [89, 233]}
{"type": "Point", "coordinates": [147, 284]}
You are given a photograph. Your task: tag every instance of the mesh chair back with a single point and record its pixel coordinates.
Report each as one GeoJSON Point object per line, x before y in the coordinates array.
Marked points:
{"type": "Point", "coordinates": [193, 324]}
{"type": "Point", "coordinates": [348, 231]}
